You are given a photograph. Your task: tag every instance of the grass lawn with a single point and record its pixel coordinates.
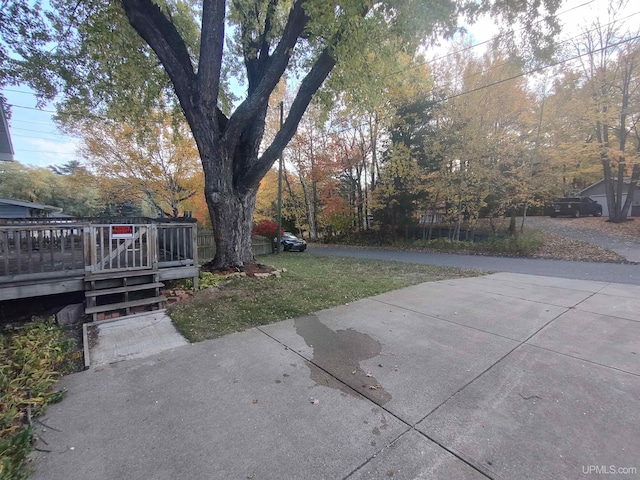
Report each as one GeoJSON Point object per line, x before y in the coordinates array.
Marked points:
{"type": "Point", "coordinates": [311, 283]}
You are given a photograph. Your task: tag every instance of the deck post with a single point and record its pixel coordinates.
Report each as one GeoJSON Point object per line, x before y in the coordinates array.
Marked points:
{"type": "Point", "coordinates": [88, 240]}
{"type": "Point", "coordinates": [194, 252]}
{"type": "Point", "coordinates": [152, 244]}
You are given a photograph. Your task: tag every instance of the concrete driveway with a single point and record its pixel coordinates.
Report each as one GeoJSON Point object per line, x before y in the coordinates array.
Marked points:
{"type": "Point", "coordinates": [504, 376]}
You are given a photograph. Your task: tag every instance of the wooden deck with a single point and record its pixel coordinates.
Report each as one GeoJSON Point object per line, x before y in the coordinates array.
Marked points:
{"type": "Point", "coordinates": [60, 256]}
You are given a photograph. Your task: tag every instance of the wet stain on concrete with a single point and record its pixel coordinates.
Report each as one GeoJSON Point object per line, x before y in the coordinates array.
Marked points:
{"type": "Point", "coordinates": [340, 352]}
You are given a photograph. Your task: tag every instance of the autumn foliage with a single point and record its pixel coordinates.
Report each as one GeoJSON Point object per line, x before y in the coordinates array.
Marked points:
{"type": "Point", "coordinates": [266, 228]}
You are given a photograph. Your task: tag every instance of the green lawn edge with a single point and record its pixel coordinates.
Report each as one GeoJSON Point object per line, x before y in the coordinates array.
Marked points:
{"type": "Point", "coordinates": [309, 284]}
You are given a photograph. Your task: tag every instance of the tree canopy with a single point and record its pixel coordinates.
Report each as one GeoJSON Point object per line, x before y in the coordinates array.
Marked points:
{"type": "Point", "coordinates": [120, 59]}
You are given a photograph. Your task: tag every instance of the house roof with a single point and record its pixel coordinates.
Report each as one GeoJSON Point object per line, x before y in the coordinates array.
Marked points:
{"type": "Point", "coordinates": [37, 206]}
{"type": "Point", "coordinates": [6, 147]}
{"type": "Point", "coordinates": [584, 191]}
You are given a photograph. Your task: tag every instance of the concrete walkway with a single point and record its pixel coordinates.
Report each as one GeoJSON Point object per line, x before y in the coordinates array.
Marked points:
{"type": "Point", "coordinates": [504, 376]}
{"type": "Point", "coordinates": [135, 336]}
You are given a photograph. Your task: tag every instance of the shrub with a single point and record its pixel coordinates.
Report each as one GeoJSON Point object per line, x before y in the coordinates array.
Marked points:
{"type": "Point", "coordinates": [29, 359]}
{"type": "Point", "coordinates": [523, 245]}
{"type": "Point", "coordinates": [206, 280]}
{"type": "Point", "coordinates": [266, 228]}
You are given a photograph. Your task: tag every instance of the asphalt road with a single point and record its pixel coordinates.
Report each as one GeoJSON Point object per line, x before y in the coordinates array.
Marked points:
{"type": "Point", "coordinates": [603, 272]}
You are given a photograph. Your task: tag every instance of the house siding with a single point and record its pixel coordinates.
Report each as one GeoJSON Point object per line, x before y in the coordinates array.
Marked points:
{"type": "Point", "coordinates": [597, 192]}
{"type": "Point", "coordinates": [14, 211]}
{"type": "Point", "coordinates": [6, 147]}
{"type": "Point", "coordinates": [594, 190]}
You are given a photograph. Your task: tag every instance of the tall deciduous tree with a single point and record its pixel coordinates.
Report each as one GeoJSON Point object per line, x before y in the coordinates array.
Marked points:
{"type": "Point", "coordinates": [73, 189]}
{"type": "Point", "coordinates": [611, 74]}
{"type": "Point", "coordinates": [309, 37]}
{"type": "Point", "coordinates": [156, 163]}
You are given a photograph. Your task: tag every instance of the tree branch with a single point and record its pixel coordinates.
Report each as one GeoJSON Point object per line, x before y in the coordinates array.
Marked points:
{"type": "Point", "coordinates": [161, 35]}
{"type": "Point", "coordinates": [212, 45]}
{"type": "Point", "coordinates": [310, 84]}
{"type": "Point", "coordinates": [265, 37]}
{"type": "Point", "coordinates": [274, 69]}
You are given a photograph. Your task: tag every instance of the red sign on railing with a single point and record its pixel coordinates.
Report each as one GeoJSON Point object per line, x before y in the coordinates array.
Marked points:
{"type": "Point", "coordinates": [121, 231]}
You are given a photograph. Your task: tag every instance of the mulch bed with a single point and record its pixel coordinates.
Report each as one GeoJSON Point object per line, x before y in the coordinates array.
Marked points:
{"type": "Point", "coordinates": [249, 269]}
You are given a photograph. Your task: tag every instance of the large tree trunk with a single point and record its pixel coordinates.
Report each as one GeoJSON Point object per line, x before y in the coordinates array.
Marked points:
{"type": "Point", "coordinates": [232, 221]}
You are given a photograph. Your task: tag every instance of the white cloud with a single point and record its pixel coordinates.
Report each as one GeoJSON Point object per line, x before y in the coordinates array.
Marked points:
{"type": "Point", "coordinates": [41, 152]}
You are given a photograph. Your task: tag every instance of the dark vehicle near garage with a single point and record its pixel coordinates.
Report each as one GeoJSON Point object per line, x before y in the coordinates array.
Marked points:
{"type": "Point", "coordinates": [291, 243]}
{"type": "Point", "coordinates": [575, 207]}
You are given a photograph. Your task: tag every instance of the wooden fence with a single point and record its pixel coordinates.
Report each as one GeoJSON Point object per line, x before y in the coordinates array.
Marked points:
{"type": "Point", "coordinates": [207, 247]}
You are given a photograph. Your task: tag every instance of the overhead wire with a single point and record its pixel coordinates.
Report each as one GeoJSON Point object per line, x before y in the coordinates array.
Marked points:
{"type": "Point", "coordinates": [490, 40]}
{"type": "Point", "coordinates": [444, 57]}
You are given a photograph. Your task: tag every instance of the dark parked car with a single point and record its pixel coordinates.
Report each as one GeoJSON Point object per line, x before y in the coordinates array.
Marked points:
{"type": "Point", "coordinates": [291, 243]}
{"type": "Point", "coordinates": [575, 206]}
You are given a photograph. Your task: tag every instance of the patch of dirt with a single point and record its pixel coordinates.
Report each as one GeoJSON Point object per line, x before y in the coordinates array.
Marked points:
{"type": "Point", "coordinates": [249, 269]}
{"type": "Point", "coordinates": [92, 335]}
{"type": "Point", "coordinates": [75, 359]}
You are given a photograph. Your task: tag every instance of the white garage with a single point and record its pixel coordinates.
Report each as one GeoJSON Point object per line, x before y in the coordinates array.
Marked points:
{"type": "Point", "coordinates": [597, 193]}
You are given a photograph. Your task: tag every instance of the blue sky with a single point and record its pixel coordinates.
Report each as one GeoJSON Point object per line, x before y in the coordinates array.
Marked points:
{"type": "Point", "coordinates": [36, 140]}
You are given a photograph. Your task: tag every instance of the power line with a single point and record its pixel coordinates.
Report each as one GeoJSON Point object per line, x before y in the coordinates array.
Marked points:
{"type": "Point", "coordinates": [13, 90]}
{"type": "Point", "coordinates": [498, 82]}
{"type": "Point", "coordinates": [539, 69]}
{"type": "Point", "coordinates": [29, 122]}
{"type": "Point", "coordinates": [46, 152]}
{"type": "Point", "coordinates": [13, 105]}
{"type": "Point", "coordinates": [492, 39]}
{"type": "Point", "coordinates": [35, 131]}
{"type": "Point", "coordinates": [570, 39]}
{"type": "Point", "coordinates": [40, 138]}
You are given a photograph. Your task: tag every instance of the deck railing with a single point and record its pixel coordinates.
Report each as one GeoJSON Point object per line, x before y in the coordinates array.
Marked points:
{"type": "Point", "coordinates": [37, 250]}
{"type": "Point", "coordinates": [41, 249]}
{"type": "Point", "coordinates": [177, 244]}
{"type": "Point", "coordinates": [106, 251]}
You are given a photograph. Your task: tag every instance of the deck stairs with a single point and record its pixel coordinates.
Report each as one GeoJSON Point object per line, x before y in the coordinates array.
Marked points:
{"type": "Point", "coordinates": [112, 294]}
